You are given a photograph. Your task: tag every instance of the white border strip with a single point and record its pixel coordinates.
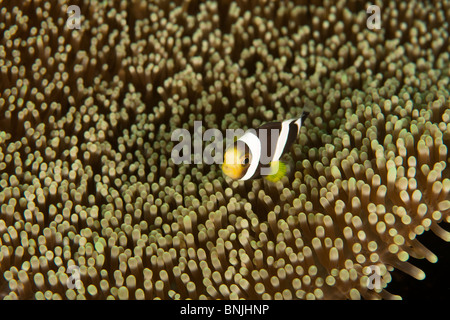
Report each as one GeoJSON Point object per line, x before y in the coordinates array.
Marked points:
{"type": "Point", "coordinates": [254, 144]}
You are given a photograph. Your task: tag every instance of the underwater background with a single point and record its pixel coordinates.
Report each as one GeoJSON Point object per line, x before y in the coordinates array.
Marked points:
{"type": "Point", "coordinates": [92, 206]}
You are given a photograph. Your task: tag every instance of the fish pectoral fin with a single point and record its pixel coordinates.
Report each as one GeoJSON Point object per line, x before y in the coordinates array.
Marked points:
{"type": "Point", "coordinates": [277, 171]}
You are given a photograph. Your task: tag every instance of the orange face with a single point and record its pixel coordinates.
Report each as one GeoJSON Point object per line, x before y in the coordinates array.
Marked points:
{"type": "Point", "coordinates": [235, 163]}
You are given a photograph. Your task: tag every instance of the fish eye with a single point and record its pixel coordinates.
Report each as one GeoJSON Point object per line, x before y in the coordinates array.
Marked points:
{"type": "Point", "coordinates": [245, 161]}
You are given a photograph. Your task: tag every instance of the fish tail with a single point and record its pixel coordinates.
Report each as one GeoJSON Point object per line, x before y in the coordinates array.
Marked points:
{"type": "Point", "coordinates": [278, 171]}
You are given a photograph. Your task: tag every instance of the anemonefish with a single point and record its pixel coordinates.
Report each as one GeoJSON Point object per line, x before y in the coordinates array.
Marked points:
{"type": "Point", "coordinates": [257, 153]}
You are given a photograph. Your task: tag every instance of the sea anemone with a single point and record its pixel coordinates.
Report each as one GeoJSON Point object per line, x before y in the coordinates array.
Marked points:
{"type": "Point", "coordinates": [92, 206]}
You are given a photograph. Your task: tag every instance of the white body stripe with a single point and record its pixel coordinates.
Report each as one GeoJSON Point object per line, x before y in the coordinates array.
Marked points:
{"type": "Point", "coordinates": [254, 144]}
{"type": "Point", "coordinates": [281, 142]}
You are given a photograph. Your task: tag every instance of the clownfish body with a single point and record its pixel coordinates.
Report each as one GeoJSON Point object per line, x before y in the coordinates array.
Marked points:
{"type": "Point", "coordinates": [257, 153]}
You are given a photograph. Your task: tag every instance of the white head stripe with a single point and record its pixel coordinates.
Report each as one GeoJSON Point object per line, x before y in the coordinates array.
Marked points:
{"type": "Point", "coordinates": [299, 124]}
{"type": "Point", "coordinates": [281, 142]}
{"type": "Point", "coordinates": [254, 144]}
